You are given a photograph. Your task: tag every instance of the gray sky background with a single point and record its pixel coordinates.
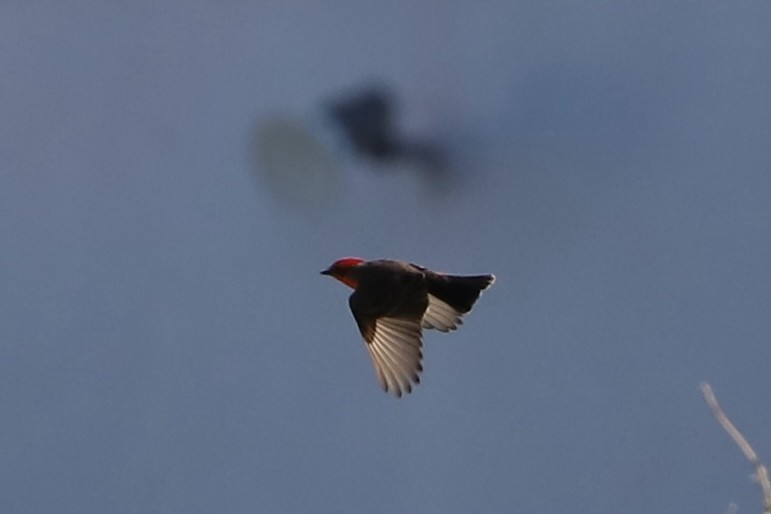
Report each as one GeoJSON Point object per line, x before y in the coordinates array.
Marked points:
{"type": "Point", "coordinates": [166, 342]}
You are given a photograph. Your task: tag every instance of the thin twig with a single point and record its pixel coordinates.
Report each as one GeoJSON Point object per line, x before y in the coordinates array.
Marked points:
{"type": "Point", "coordinates": [761, 473]}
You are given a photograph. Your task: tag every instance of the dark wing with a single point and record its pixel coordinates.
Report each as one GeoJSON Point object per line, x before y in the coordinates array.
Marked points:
{"type": "Point", "coordinates": [395, 349]}
{"type": "Point", "coordinates": [389, 317]}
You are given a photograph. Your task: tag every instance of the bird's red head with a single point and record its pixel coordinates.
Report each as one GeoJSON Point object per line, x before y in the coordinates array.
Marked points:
{"type": "Point", "coordinates": [344, 271]}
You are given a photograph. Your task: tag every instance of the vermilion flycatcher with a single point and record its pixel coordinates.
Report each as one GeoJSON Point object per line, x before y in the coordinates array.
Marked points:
{"type": "Point", "coordinates": [393, 301]}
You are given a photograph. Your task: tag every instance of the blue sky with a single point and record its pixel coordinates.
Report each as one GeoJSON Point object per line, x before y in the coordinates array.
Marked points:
{"type": "Point", "coordinates": [167, 342]}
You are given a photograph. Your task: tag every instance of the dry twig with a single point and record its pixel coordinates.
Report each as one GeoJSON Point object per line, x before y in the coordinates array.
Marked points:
{"type": "Point", "coordinates": [761, 473]}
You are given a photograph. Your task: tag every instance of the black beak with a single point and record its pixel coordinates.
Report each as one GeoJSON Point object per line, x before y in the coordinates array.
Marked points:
{"type": "Point", "coordinates": [326, 272]}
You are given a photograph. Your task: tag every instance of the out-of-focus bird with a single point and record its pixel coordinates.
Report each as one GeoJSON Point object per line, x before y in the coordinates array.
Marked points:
{"type": "Point", "coordinates": [393, 301]}
{"type": "Point", "coordinates": [367, 119]}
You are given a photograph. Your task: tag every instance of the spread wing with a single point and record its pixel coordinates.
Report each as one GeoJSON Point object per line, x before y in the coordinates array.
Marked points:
{"type": "Point", "coordinates": [394, 345]}
{"type": "Point", "coordinates": [396, 353]}
{"type": "Point", "coordinates": [388, 306]}
{"type": "Point", "coordinates": [440, 315]}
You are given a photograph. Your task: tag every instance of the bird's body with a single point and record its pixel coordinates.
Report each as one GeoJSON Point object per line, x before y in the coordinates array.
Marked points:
{"type": "Point", "coordinates": [393, 301]}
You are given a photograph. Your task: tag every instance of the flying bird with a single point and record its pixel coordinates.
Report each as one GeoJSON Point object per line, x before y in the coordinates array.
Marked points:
{"type": "Point", "coordinates": [393, 301]}
{"type": "Point", "coordinates": [368, 119]}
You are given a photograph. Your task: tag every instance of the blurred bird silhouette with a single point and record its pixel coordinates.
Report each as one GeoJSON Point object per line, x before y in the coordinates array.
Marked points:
{"type": "Point", "coordinates": [367, 119]}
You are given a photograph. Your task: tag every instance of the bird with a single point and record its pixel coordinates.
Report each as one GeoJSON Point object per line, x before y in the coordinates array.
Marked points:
{"type": "Point", "coordinates": [368, 120]}
{"type": "Point", "coordinates": [393, 301]}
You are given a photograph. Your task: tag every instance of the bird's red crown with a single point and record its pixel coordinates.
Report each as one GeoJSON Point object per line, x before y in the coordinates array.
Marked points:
{"type": "Point", "coordinates": [339, 270]}
{"type": "Point", "coordinates": [347, 262]}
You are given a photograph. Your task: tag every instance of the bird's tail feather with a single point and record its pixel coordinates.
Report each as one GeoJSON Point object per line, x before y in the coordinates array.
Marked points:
{"type": "Point", "coordinates": [459, 292]}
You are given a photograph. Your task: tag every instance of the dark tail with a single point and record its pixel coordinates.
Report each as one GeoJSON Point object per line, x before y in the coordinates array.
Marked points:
{"type": "Point", "coordinates": [458, 292]}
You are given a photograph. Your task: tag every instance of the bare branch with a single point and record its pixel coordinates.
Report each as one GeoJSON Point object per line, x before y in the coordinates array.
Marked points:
{"type": "Point", "coordinates": [761, 473]}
